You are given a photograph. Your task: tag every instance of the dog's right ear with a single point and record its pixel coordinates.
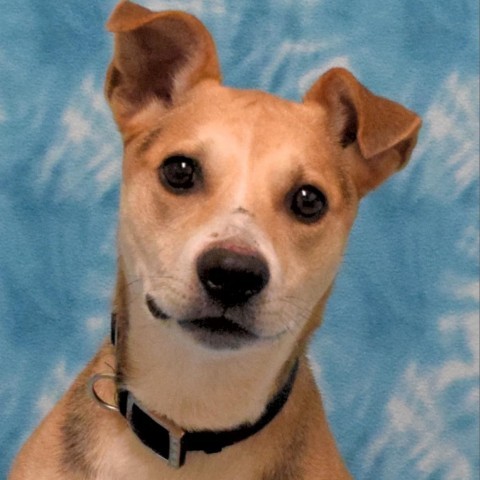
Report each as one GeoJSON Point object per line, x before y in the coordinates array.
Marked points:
{"type": "Point", "coordinates": [158, 56]}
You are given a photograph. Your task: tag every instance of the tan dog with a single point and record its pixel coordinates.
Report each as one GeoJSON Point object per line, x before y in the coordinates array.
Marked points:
{"type": "Point", "coordinates": [235, 212]}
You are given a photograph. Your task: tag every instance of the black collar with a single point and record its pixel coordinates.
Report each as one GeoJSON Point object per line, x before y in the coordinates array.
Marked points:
{"type": "Point", "coordinates": [172, 443]}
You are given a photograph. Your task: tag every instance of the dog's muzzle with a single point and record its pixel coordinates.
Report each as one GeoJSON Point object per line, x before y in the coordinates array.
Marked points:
{"type": "Point", "coordinates": [230, 279]}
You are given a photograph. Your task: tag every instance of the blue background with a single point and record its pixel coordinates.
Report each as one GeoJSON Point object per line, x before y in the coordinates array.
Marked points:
{"type": "Point", "coordinates": [398, 356]}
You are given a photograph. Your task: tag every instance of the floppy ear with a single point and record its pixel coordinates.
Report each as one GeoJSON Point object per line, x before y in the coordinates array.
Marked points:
{"type": "Point", "coordinates": [384, 131]}
{"type": "Point", "coordinates": [158, 56]}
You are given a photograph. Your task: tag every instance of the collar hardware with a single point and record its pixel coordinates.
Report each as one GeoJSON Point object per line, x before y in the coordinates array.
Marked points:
{"type": "Point", "coordinates": [168, 445]}
{"type": "Point", "coordinates": [93, 393]}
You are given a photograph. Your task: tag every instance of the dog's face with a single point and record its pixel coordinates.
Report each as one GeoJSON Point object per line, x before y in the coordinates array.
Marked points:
{"type": "Point", "coordinates": [236, 205]}
{"type": "Point", "coordinates": [235, 212]}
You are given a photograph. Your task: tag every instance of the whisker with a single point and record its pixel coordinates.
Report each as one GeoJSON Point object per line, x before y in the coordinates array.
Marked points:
{"type": "Point", "coordinates": [109, 366]}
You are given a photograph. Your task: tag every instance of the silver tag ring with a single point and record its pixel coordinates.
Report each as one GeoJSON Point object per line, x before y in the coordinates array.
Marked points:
{"type": "Point", "coordinates": [93, 393]}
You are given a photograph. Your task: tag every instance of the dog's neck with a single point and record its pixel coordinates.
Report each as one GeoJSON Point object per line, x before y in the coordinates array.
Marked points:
{"type": "Point", "coordinates": [196, 388]}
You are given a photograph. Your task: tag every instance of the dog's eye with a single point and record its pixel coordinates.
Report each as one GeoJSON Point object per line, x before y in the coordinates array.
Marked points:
{"type": "Point", "coordinates": [180, 174]}
{"type": "Point", "coordinates": [308, 203]}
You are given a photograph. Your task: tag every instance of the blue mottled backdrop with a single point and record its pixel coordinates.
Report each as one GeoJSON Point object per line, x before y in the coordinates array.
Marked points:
{"type": "Point", "coordinates": [398, 356]}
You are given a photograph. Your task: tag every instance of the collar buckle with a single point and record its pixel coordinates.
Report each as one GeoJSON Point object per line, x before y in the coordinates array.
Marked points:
{"type": "Point", "coordinates": [175, 455]}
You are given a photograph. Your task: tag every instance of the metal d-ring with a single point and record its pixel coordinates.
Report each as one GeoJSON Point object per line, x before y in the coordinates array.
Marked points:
{"type": "Point", "coordinates": [93, 393]}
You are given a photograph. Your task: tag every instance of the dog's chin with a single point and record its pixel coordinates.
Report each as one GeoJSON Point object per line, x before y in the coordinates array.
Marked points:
{"type": "Point", "coordinates": [218, 333]}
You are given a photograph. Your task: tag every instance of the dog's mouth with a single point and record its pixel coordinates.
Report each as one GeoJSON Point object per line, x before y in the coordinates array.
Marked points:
{"type": "Point", "coordinates": [214, 332]}
{"type": "Point", "coordinates": [218, 332]}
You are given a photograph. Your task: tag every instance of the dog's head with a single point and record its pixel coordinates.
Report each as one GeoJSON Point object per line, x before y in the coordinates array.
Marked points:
{"type": "Point", "coordinates": [236, 205]}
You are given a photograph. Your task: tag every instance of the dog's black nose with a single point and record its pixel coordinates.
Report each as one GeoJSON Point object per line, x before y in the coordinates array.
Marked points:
{"type": "Point", "coordinates": [232, 278]}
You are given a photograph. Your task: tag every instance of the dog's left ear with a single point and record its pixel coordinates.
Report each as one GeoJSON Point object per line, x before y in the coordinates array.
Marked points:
{"type": "Point", "coordinates": [385, 132]}
{"type": "Point", "coordinates": [158, 56]}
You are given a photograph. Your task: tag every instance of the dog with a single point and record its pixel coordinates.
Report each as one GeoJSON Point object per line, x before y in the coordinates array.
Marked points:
{"type": "Point", "coordinates": [234, 215]}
